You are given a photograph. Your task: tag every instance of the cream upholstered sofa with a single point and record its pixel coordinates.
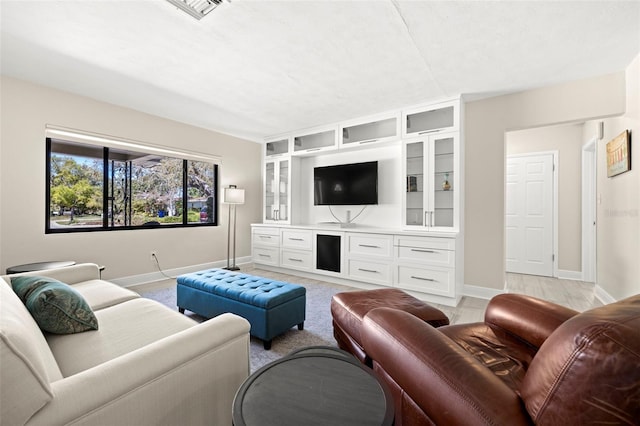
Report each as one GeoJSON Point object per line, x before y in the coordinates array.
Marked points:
{"type": "Point", "coordinates": [146, 364]}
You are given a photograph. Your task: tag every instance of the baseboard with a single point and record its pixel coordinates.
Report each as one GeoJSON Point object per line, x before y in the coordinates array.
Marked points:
{"type": "Point", "coordinates": [603, 296]}
{"type": "Point", "coordinates": [134, 280]}
{"type": "Point", "coordinates": [570, 275]}
{"type": "Point", "coordinates": [481, 292]}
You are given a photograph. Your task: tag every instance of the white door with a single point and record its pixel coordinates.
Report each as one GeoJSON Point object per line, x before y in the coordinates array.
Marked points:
{"type": "Point", "coordinates": [529, 214]}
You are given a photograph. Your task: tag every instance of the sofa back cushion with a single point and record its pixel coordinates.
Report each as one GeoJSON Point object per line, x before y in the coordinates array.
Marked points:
{"type": "Point", "coordinates": [27, 364]}
{"type": "Point", "coordinates": [587, 370]}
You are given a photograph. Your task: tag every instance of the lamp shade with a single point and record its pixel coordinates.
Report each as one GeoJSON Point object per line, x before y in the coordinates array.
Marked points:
{"type": "Point", "coordinates": [233, 196]}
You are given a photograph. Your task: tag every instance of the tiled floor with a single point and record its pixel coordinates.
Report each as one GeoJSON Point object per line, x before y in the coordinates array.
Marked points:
{"type": "Point", "coordinates": [576, 295]}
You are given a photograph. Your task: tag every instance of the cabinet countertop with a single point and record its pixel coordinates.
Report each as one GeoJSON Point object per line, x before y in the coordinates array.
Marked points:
{"type": "Point", "coordinates": [335, 227]}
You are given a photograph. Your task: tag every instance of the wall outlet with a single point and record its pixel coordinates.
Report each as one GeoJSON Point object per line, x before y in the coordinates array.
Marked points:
{"type": "Point", "coordinates": [153, 255]}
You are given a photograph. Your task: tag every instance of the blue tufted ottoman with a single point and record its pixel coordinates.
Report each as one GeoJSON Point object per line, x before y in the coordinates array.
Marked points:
{"type": "Point", "coordinates": [272, 307]}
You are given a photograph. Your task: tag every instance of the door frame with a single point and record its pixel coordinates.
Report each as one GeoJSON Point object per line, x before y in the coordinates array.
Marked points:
{"type": "Point", "coordinates": [554, 206]}
{"type": "Point", "coordinates": [589, 208]}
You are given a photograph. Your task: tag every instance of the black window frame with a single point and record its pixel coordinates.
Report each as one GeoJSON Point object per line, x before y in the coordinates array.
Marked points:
{"type": "Point", "coordinates": [105, 227]}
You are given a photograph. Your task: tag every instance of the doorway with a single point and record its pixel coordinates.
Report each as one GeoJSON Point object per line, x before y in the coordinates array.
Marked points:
{"type": "Point", "coordinates": [530, 213]}
{"type": "Point", "coordinates": [589, 199]}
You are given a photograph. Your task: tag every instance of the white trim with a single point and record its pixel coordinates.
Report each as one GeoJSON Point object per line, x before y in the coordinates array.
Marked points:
{"type": "Point", "coordinates": [589, 196]}
{"type": "Point", "coordinates": [481, 292]}
{"type": "Point", "coordinates": [603, 296]}
{"type": "Point", "coordinates": [135, 280]}
{"type": "Point", "coordinates": [564, 274]}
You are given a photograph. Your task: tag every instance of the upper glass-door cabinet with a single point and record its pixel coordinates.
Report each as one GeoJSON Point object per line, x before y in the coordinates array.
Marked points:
{"type": "Point", "coordinates": [376, 129]}
{"type": "Point", "coordinates": [431, 168]}
{"type": "Point", "coordinates": [274, 147]}
{"type": "Point", "coordinates": [423, 120]}
{"type": "Point", "coordinates": [315, 140]}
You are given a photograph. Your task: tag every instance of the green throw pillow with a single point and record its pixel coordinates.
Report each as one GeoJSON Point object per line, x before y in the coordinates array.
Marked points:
{"type": "Point", "coordinates": [57, 307]}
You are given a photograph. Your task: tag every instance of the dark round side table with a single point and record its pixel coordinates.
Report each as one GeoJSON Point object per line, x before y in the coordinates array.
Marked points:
{"type": "Point", "coordinates": [38, 266]}
{"type": "Point", "coordinates": [319, 386]}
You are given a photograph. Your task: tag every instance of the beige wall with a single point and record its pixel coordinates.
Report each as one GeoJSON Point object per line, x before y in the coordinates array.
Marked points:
{"type": "Point", "coordinates": [485, 126]}
{"type": "Point", "coordinates": [567, 140]}
{"type": "Point", "coordinates": [618, 206]}
{"type": "Point", "coordinates": [27, 108]}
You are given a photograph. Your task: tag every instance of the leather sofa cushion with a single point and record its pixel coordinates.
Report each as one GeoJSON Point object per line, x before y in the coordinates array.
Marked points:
{"type": "Point", "coordinates": [349, 308]}
{"type": "Point", "coordinates": [587, 370]}
{"type": "Point", "coordinates": [506, 356]}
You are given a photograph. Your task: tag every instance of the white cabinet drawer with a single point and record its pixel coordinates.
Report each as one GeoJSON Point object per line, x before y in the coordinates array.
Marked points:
{"type": "Point", "coordinates": [296, 238]}
{"type": "Point", "coordinates": [433, 280]}
{"type": "Point", "coordinates": [370, 245]}
{"type": "Point", "coordinates": [296, 259]}
{"type": "Point", "coordinates": [425, 242]}
{"type": "Point", "coordinates": [426, 255]}
{"type": "Point", "coordinates": [266, 255]}
{"type": "Point", "coordinates": [266, 236]}
{"type": "Point", "coordinates": [371, 272]}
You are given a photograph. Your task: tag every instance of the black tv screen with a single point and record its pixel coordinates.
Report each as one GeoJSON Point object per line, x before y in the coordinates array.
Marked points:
{"type": "Point", "coordinates": [346, 184]}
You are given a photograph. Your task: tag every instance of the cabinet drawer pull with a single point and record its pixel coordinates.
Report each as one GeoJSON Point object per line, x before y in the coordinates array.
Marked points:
{"type": "Point", "coordinates": [423, 279]}
{"type": "Point", "coordinates": [368, 245]}
{"type": "Point", "coordinates": [429, 131]}
{"type": "Point", "coordinates": [368, 141]}
{"type": "Point", "coordinates": [368, 270]}
{"type": "Point", "coordinates": [295, 260]}
{"type": "Point", "coordinates": [264, 255]}
{"type": "Point", "coordinates": [423, 251]}
{"type": "Point", "coordinates": [296, 239]}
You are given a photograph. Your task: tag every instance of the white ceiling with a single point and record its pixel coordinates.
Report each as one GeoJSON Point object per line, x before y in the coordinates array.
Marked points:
{"type": "Point", "coordinates": [255, 68]}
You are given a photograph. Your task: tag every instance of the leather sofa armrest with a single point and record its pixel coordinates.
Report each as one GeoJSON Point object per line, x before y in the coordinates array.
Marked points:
{"type": "Point", "coordinates": [447, 383]}
{"type": "Point", "coordinates": [527, 318]}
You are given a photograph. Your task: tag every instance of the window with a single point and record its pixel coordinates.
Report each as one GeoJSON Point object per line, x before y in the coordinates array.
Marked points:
{"type": "Point", "coordinates": [91, 187]}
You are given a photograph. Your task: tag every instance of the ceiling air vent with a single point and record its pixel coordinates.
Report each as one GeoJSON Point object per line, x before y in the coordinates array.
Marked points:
{"type": "Point", "coordinates": [197, 8]}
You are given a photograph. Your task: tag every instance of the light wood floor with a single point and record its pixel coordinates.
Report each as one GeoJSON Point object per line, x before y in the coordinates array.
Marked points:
{"type": "Point", "coordinates": [576, 295]}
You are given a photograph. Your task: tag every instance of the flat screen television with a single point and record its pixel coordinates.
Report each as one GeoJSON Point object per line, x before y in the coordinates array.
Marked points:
{"type": "Point", "coordinates": [346, 184]}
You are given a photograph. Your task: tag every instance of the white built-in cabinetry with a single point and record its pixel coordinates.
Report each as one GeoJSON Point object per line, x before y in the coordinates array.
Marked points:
{"type": "Point", "coordinates": [423, 265]}
{"type": "Point", "coordinates": [424, 255]}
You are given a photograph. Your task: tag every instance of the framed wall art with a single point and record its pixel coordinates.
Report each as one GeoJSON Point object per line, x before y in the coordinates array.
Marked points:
{"type": "Point", "coordinates": [618, 154]}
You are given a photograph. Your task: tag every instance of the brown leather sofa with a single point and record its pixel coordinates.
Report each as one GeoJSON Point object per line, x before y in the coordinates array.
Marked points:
{"type": "Point", "coordinates": [529, 362]}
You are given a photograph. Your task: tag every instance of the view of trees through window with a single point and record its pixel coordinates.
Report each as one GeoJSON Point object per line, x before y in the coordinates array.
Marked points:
{"type": "Point", "coordinates": [129, 189]}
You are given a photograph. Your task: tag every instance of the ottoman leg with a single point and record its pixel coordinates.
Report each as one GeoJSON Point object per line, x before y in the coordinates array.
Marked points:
{"type": "Point", "coordinates": [266, 344]}
{"type": "Point", "coordinates": [301, 326]}
{"type": "Point", "coordinates": [181, 310]}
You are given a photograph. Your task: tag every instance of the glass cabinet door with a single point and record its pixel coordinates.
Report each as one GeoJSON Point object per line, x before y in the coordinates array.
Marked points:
{"type": "Point", "coordinates": [415, 195]}
{"type": "Point", "coordinates": [430, 168]}
{"type": "Point", "coordinates": [283, 188]}
{"type": "Point", "coordinates": [269, 190]}
{"type": "Point", "coordinates": [443, 176]}
{"type": "Point", "coordinates": [276, 190]}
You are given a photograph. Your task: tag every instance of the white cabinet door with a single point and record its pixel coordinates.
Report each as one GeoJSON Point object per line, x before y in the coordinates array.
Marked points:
{"type": "Point", "coordinates": [431, 197]}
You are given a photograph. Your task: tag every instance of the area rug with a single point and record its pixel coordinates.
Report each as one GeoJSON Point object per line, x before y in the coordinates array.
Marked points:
{"type": "Point", "coordinates": [318, 330]}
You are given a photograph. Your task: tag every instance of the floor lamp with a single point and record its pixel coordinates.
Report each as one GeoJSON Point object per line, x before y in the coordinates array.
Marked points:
{"type": "Point", "coordinates": [232, 196]}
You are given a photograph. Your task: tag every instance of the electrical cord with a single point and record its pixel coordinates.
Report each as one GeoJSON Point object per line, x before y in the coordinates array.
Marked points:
{"type": "Point", "coordinates": [352, 219]}
{"type": "Point", "coordinates": [155, 257]}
